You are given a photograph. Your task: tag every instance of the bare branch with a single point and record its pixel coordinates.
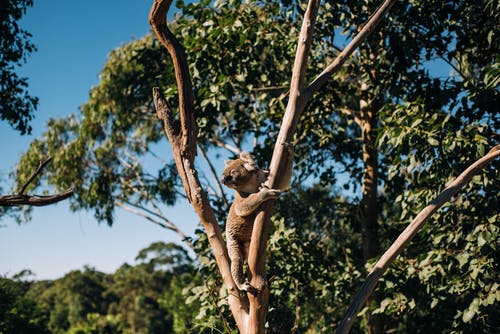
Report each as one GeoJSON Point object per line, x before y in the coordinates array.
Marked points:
{"type": "Point", "coordinates": [214, 174]}
{"type": "Point", "coordinates": [296, 103]}
{"type": "Point", "coordinates": [404, 238]}
{"type": "Point", "coordinates": [220, 143]}
{"type": "Point", "coordinates": [34, 200]}
{"type": "Point", "coordinates": [372, 23]}
{"type": "Point", "coordinates": [199, 200]}
{"type": "Point", "coordinates": [183, 141]}
{"type": "Point", "coordinates": [35, 174]}
{"type": "Point", "coordinates": [167, 225]}
{"type": "Point", "coordinates": [189, 130]}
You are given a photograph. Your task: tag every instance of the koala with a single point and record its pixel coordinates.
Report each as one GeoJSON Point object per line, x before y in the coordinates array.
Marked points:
{"type": "Point", "coordinates": [247, 180]}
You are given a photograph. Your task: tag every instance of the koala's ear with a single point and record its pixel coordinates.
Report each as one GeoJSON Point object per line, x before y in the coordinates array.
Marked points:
{"type": "Point", "coordinates": [246, 156]}
{"type": "Point", "coordinates": [249, 163]}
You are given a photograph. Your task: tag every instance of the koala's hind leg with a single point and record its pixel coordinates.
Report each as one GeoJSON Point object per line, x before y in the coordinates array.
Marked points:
{"type": "Point", "coordinates": [237, 255]}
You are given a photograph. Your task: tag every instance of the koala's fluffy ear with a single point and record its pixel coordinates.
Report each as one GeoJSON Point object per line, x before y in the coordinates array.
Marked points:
{"type": "Point", "coordinates": [250, 164]}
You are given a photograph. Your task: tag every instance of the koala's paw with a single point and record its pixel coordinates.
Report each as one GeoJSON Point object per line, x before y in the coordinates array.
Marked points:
{"type": "Point", "coordinates": [248, 288]}
{"type": "Point", "coordinates": [270, 193]}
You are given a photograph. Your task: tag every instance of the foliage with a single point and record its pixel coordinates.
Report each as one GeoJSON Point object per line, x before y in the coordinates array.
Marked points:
{"type": "Point", "coordinates": [18, 313]}
{"type": "Point", "coordinates": [430, 126]}
{"type": "Point", "coordinates": [134, 299]}
{"type": "Point", "coordinates": [16, 105]}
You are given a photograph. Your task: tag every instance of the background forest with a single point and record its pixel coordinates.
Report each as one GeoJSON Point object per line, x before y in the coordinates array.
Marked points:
{"type": "Point", "coordinates": [373, 147]}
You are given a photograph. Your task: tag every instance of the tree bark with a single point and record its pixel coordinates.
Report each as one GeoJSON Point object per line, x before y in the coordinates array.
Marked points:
{"type": "Point", "coordinates": [182, 136]}
{"type": "Point", "coordinates": [368, 216]}
{"type": "Point", "coordinates": [369, 209]}
{"type": "Point", "coordinates": [199, 201]}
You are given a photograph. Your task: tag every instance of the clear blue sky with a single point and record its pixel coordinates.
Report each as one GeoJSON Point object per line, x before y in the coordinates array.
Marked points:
{"type": "Point", "coordinates": [73, 40]}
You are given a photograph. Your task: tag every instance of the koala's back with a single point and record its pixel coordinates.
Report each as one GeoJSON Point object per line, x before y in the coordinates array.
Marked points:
{"type": "Point", "coordinates": [240, 228]}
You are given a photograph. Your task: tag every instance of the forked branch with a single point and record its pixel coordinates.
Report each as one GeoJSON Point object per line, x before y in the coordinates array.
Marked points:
{"type": "Point", "coordinates": [299, 96]}
{"type": "Point", "coordinates": [34, 200]}
{"type": "Point", "coordinates": [367, 29]}
{"type": "Point", "coordinates": [404, 238]}
{"type": "Point", "coordinates": [183, 140]}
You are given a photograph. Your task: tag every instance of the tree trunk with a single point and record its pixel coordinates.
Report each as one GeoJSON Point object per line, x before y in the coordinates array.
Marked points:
{"type": "Point", "coordinates": [369, 210]}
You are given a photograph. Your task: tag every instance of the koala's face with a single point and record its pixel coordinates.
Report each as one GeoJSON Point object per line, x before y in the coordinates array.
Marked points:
{"type": "Point", "coordinates": [236, 175]}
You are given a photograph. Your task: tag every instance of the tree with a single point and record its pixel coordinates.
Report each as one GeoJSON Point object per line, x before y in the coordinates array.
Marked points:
{"type": "Point", "coordinates": [379, 140]}
{"type": "Point", "coordinates": [16, 105]}
{"type": "Point", "coordinates": [130, 300]}
{"type": "Point", "coordinates": [19, 314]}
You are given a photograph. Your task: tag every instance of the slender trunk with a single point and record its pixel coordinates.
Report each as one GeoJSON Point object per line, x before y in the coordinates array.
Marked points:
{"type": "Point", "coordinates": [369, 209]}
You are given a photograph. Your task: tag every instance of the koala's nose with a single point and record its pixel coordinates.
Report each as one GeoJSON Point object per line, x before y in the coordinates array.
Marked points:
{"type": "Point", "coordinates": [227, 179]}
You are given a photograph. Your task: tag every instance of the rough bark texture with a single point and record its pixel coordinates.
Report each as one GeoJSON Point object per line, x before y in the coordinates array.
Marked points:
{"type": "Point", "coordinates": [405, 237]}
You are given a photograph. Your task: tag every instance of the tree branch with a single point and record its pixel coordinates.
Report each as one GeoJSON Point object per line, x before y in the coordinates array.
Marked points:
{"type": "Point", "coordinates": [216, 178]}
{"type": "Point", "coordinates": [404, 238]}
{"type": "Point", "coordinates": [199, 200]}
{"type": "Point", "coordinates": [41, 166]}
{"type": "Point", "coordinates": [34, 200]}
{"type": "Point", "coordinates": [260, 233]}
{"type": "Point", "coordinates": [367, 29]}
{"type": "Point", "coordinates": [189, 130]}
{"type": "Point", "coordinates": [167, 225]}
{"type": "Point", "coordinates": [183, 141]}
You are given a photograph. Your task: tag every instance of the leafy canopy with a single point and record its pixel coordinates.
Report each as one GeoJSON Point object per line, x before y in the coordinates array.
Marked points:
{"type": "Point", "coordinates": [16, 105]}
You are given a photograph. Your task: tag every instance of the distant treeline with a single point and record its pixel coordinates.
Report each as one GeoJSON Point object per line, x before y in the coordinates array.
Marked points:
{"type": "Point", "coordinates": [145, 298]}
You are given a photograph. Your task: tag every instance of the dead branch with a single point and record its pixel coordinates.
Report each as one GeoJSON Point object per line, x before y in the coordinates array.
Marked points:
{"type": "Point", "coordinates": [41, 166]}
{"type": "Point", "coordinates": [34, 200]}
{"type": "Point", "coordinates": [166, 225]}
{"type": "Point", "coordinates": [183, 140]}
{"type": "Point", "coordinates": [215, 176]}
{"type": "Point", "coordinates": [199, 200]}
{"type": "Point", "coordinates": [189, 130]}
{"type": "Point", "coordinates": [404, 238]}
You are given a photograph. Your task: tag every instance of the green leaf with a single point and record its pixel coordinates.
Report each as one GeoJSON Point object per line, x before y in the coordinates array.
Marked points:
{"type": "Point", "coordinates": [433, 141]}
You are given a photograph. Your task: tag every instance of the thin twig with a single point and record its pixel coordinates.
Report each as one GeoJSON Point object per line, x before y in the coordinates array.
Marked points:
{"type": "Point", "coordinates": [41, 166]}
{"type": "Point", "coordinates": [214, 174]}
{"type": "Point", "coordinates": [168, 225]}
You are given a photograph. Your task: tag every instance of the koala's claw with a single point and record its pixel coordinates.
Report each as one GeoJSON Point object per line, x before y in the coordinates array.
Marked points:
{"type": "Point", "coordinates": [248, 288]}
{"type": "Point", "coordinates": [271, 193]}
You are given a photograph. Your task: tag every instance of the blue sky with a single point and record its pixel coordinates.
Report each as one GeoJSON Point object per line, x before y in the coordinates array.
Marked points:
{"type": "Point", "coordinates": [73, 40]}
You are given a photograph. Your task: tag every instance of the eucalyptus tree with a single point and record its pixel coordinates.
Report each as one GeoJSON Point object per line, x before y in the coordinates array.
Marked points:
{"type": "Point", "coordinates": [379, 141]}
